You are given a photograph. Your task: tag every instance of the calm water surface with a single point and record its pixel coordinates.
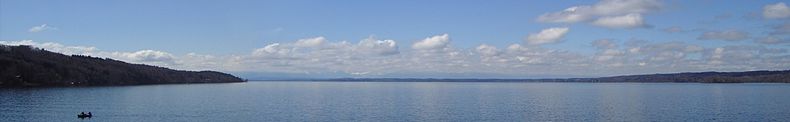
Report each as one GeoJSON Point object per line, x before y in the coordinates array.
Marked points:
{"type": "Point", "coordinates": [403, 101]}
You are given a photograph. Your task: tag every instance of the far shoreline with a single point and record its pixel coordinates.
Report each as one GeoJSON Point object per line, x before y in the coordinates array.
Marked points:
{"type": "Point", "coordinates": [763, 76]}
{"type": "Point", "coordinates": [449, 81]}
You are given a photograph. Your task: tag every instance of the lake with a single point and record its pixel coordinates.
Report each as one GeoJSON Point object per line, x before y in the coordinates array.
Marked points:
{"type": "Point", "coordinates": [403, 101]}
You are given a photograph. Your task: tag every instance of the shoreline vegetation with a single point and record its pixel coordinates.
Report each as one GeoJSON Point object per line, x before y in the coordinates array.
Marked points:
{"type": "Point", "coordinates": [27, 66]}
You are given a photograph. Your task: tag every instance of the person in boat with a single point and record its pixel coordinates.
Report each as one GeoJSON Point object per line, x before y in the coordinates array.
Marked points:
{"type": "Point", "coordinates": [83, 115]}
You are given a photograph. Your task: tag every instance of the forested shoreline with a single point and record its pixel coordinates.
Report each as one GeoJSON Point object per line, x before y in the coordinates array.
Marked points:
{"type": "Point", "coordinates": [26, 66]}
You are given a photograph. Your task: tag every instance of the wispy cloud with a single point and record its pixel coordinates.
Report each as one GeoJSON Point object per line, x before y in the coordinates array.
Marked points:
{"type": "Point", "coordinates": [41, 28]}
{"type": "Point", "coordinates": [625, 21]}
{"type": "Point", "coordinates": [727, 35]}
{"type": "Point", "coordinates": [546, 36]}
{"type": "Point", "coordinates": [606, 13]}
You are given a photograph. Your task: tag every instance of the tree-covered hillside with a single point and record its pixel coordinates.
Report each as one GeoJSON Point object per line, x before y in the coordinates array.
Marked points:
{"type": "Point", "coordinates": [29, 66]}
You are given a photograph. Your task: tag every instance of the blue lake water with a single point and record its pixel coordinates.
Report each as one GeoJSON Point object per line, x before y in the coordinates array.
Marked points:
{"type": "Point", "coordinates": [403, 101]}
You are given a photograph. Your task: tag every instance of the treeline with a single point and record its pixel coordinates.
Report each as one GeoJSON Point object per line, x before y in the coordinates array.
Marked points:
{"type": "Point", "coordinates": [28, 66]}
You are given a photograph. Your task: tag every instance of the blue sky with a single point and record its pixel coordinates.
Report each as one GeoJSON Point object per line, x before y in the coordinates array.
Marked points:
{"type": "Point", "coordinates": [168, 33]}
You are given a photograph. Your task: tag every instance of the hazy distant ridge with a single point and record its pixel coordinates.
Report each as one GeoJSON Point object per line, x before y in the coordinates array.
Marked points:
{"type": "Point", "coordinates": [28, 66]}
{"type": "Point", "coordinates": [695, 77]}
{"type": "Point", "coordinates": [705, 77]}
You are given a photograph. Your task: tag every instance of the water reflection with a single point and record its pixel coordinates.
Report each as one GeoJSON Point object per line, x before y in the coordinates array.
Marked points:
{"type": "Point", "coordinates": [403, 101]}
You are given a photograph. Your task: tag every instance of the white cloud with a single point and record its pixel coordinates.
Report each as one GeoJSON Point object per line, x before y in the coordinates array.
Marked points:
{"type": "Point", "coordinates": [274, 48]}
{"type": "Point", "coordinates": [619, 7]}
{"type": "Point", "coordinates": [143, 56]}
{"type": "Point", "coordinates": [608, 54]}
{"type": "Point", "coordinates": [195, 61]}
{"type": "Point", "coordinates": [487, 50]}
{"type": "Point", "coordinates": [625, 21]}
{"type": "Point", "coordinates": [529, 56]}
{"type": "Point", "coordinates": [569, 15]}
{"type": "Point", "coordinates": [666, 53]}
{"type": "Point", "coordinates": [41, 28]}
{"type": "Point", "coordinates": [715, 57]}
{"type": "Point", "coordinates": [377, 47]}
{"type": "Point", "coordinates": [56, 47]}
{"type": "Point", "coordinates": [604, 8]}
{"type": "Point", "coordinates": [545, 36]}
{"type": "Point", "coordinates": [728, 35]}
{"type": "Point", "coordinates": [311, 42]}
{"type": "Point", "coordinates": [146, 56]}
{"type": "Point", "coordinates": [744, 57]}
{"type": "Point", "coordinates": [776, 11]}
{"type": "Point", "coordinates": [434, 42]}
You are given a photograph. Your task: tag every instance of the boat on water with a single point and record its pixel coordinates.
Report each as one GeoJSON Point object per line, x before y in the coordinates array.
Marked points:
{"type": "Point", "coordinates": [83, 115]}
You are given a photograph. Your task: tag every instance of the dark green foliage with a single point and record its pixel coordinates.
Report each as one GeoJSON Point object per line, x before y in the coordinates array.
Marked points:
{"type": "Point", "coordinates": [28, 66]}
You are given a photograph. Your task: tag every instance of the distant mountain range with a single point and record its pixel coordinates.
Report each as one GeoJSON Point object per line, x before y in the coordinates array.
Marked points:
{"type": "Point", "coordinates": [26, 66]}
{"type": "Point", "coordinates": [695, 77]}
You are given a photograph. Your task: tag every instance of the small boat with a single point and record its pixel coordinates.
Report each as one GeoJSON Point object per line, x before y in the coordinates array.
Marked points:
{"type": "Point", "coordinates": [83, 115]}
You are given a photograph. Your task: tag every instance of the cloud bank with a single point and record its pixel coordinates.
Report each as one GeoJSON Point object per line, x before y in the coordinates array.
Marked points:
{"type": "Point", "coordinates": [435, 57]}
